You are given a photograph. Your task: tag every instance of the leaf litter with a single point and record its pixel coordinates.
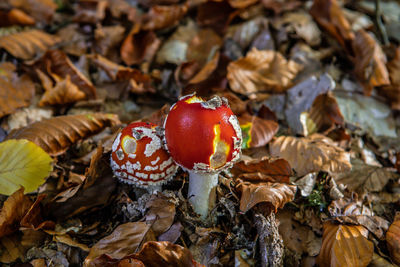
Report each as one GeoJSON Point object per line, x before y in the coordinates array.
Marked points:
{"type": "Point", "coordinates": [315, 87]}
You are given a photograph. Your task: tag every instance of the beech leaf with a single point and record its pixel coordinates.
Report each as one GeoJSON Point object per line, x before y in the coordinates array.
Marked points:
{"type": "Point", "coordinates": [22, 163]}
{"type": "Point", "coordinates": [262, 71]}
{"type": "Point", "coordinates": [160, 17]}
{"type": "Point", "coordinates": [311, 154]}
{"type": "Point", "coordinates": [57, 134]}
{"type": "Point", "coordinates": [345, 245]}
{"type": "Point", "coordinates": [256, 131]}
{"type": "Point", "coordinates": [393, 240]}
{"type": "Point", "coordinates": [161, 214]}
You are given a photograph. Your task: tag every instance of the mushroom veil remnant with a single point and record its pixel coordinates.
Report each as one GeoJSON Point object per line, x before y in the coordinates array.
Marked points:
{"type": "Point", "coordinates": [204, 138]}
{"type": "Point", "coordinates": [138, 157]}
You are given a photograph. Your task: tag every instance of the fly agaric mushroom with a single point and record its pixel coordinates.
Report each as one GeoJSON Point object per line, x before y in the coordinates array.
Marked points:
{"type": "Point", "coordinates": [204, 138]}
{"type": "Point", "coordinates": [138, 157]}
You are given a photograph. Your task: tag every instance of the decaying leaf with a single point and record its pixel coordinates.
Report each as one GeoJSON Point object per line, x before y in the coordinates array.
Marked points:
{"type": "Point", "coordinates": [365, 178]}
{"type": "Point", "coordinates": [263, 170]}
{"type": "Point", "coordinates": [11, 249]}
{"type": "Point", "coordinates": [160, 17]}
{"type": "Point", "coordinates": [15, 16]}
{"type": "Point", "coordinates": [63, 92]}
{"type": "Point", "coordinates": [260, 72]}
{"type": "Point", "coordinates": [41, 10]}
{"type": "Point", "coordinates": [331, 18]}
{"type": "Point", "coordinates": [392, 91]}
{"type": "Point", "coordinates": [107, 39]}
{"type": "Point", "coordinates": [274, 194]}
{"type": "Point", "coordinates": [311, 154]}
{"type": "Point", "coordinates": [12, 212]}
{"type": "Point", "coordinates": [256, 131]}
{"type": "Point", "coordinates": [22, 163]}
{"type": "Point", "coordinates": [123, 241]}
{"type": "Point", "coordinates": [345, 245]}
{"type": "Point", "coordinates": [369, 62]}
{"type": "Point", "coordinates": [202, 46]}
{"type": "Point", "coordinates": [28, 44]}
{"type": "Point", "coordinates": [57, 62]}
{"type": "Point", "coordinates": [325, 112]}
{"type": "Point", "coordinates": [393, 240]}
{"type": "Point", "coordinates": [17, 91]}
{"type": "Point", "coordinates": [57, 134]}
{"type": "Point", "coordinates": [161, 214]}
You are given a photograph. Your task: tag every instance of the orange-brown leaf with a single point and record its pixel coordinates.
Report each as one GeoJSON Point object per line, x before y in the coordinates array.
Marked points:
{"type": "Point", "coordinates": [57, 134]}
{"type": "Point", "coordinates": [41, 10]}
{"type": "Point", "coordinates": [201, 45]}
{"type": "Point", "coordinates": [28, 44]}
{"type": "Point", "coordinates": [17, 91]}
{"type": "Point", "coordinates": [33, 218]}
{"type": "Point", "coordinates": [123, 241]}
{"type": "Point", "coordinates": [263, 170]}
{"type": "Point", "coordinates": [256, 131]}
{"type": "Point", "coordinates": [262, 71]}
{"type": "Point", "coordinates": [12, 212]}
{"type": "Point", "coordinates": [275, 194]}
{"type": "Point", "coordinates": [392, 91]}
{"type": "Point", "coordinates": [325, 112]}
{"type": "Point", "coordinates": [161, 214]}
{"type": "Point", "coordinates": [311, 154]}
{"type": "Point", "coordinates": [345, 245]}
{"type": "Point", "coordinates": [369, 62]}
{"type": "Point", "coordinates": [160, 17]}
{"type": "Point", "coordinates": [63, 92]}
{"type": "Point", "coordinates": [57, 62]}
{"type": "Point", "coordinates": [393, 241]}
{"type": "Point", "coordinates": [15, 17]}
{"type": "Point", "coordinates": [331, 18]}
{"type": "Point", "coordinates": [241, 3]}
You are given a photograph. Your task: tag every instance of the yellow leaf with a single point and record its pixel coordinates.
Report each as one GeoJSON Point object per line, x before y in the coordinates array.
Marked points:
{"type": "Point", "coordinates": [22, 163]}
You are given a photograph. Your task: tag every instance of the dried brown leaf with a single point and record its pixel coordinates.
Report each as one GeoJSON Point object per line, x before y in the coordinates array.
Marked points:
{"type": "Point", "coordinates": [73, 40]}
{"type": "Point", "coordinates": [17, 91]}
{"type": "Point", "coordinates": [11, 249]}
{"type": "Point", "coordinates": [345, 245]}
{"type": "Point", "coordinates": [274, 194]}
{"type": "Point", "coordinates": [28, 44]}
{"type": "Point", "coordinates": [57, 62]}
{"type": "Point", "coordinates": [15, 16]}
{"type": "Point", "coordinates": [325, 112]}
{"type": "Point", "coordinates": [331, 18]}
{"type": "Point", "coordinates": [241, 3]}
{"type": "Point", "coordinates": [160, 17]}
{"type": "Point", "coordinates": [369, 62]}
{"type": "Point", "coordinates": [139, 46]}
{"type": "Point", "coordinates": [393, 241]}
{"type": "Point", "coordinates": [206, 71]}
{"type": "Point", "coordinates": [41, 10]}
{"type": "Point", "coordinates": [263, 170]}
{"type": "Point", "coordinates": [392, 92]}
{"type": "Point", "coordinates": [33, 218]}
{"type": "Point", "coordinates": [63, 92]}
{"type": "Point", "coordinates": [260, 72]}
{"type": "Point", "coordinates": [88, 11]}
{"type": "Point", "coordinates": [57, 134]}
{"type": "Point", "coordinates": [256, 131]}
{"type": "Point", "coordinates": [161, 214]}
{"type": "Point", "coordinates": [281, 6]}
{"type": "Point", "coordinates": [108, 39]}
{"type": "Point", "coordinates": [215, 14]}
{"type": "Point", "coordinates": [311, 154]}
{"type": "Point", "coordinates": [123, 241]}
{"type": "Point", "coordinates": [203, 44]}
{"type": "Point", "coordinates": [12, 212]}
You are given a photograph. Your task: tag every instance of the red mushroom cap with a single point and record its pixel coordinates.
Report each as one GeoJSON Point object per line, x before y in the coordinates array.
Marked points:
{"type": "Point", "coordinates": [203, 136]}
{"type": "Point", "coordinates": [138, 156]}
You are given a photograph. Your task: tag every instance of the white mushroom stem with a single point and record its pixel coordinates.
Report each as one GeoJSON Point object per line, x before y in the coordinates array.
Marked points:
{"type": "Point", "coordinates": [202, 192]}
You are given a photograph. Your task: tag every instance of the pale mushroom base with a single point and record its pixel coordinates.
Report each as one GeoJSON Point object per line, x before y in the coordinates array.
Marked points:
{"type": "Point", "coordinates": [202, 192]}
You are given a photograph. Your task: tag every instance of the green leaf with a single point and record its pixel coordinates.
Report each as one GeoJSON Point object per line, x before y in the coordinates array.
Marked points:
{"type": "Point", "coordinates": [22, 163]}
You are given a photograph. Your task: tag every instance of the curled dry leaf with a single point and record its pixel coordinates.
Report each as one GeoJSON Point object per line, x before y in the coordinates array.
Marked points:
{"type": "Point", "coordinates": [369, 62]}
{"type": "Point", "coordinates": [274, 194]}
{"type": "Point", "coordinates": [207, 70]}
{"type": "Point", "coordinates": [161, 214]}
{"type": "Point", "coordinates": [15, 16]}
{"type": "Point", "coordinates": [63, 92]}
{"type": "Point", "coordinates": [256, 131]}
{"type": "Point", "coordinates": [57, 134]}
{"type": "Point", "coordinates": [123, 241]}
{"type": "Point", "coordinates": [33, 218]}
{"type": "Point", "coordinates": [17, 91]}
{"type": "Point", "coordinates": [331, 18]}
{"type": "Point", "coordinates": [108, 39]}
{"type": "Point", "coordinates": [392, 91]}
{"type": "Point", "coordinates": [311, 154]}
{"type": "Point", "coordinates": [40, 10]}
{"type": "Point", "coordinates": [160, 17]}
{"type": "Point", "coordinates": [22, 163]}
{"type": "Point", "coordinates": [216, 15]}
{"type": "Point", "coordinates": [202, 45]}
{"type": "Point", "coordinates": [12, 212]}
{"type": "Point", "coordinates": [28, 44]}
{"type": "Point", "coordinates": [393, 241]}
{"type": "Point", "coordinates": [263, 170]}
{"type": "Point", "coordinates": [325, 112]}
{"type": "Point", "coordinates": [57, 62]}
{"type": "Point", "coordinates": [260, 72]}
{"type": "Point", "coordinates": [139, 46]}
{"type": "Point", "coordinates": [345, 245]}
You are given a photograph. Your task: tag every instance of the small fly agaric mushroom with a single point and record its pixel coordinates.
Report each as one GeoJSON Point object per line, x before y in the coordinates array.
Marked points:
{"type": "Point", "coordinates": [204, 138]}
{"type": "Point", "coordinates": [138, 157]}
